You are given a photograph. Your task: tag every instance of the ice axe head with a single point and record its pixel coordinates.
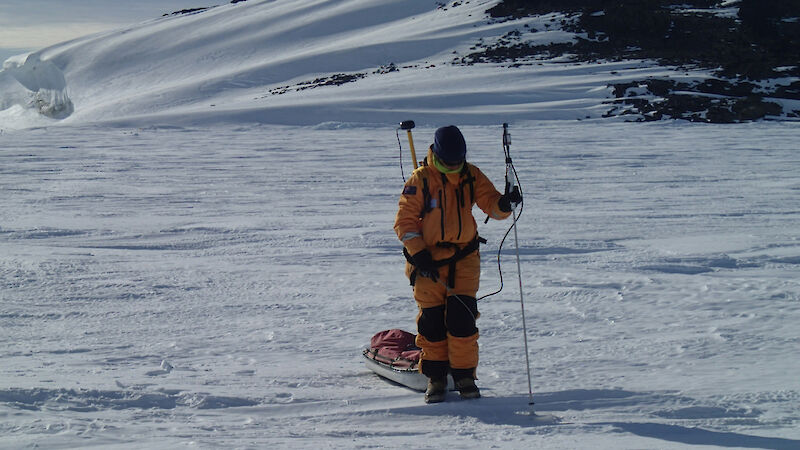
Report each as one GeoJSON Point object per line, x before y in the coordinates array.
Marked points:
{"type": "Point", "coordinates": [408, 125]}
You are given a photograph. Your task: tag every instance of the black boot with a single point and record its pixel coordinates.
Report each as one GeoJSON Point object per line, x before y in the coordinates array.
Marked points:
{"type": "Point", "coordinates": [437, 387]}
{"type": "Point", "coordinates": [467, 388]}
{"type": "Point", "coordinates": [464, 380]}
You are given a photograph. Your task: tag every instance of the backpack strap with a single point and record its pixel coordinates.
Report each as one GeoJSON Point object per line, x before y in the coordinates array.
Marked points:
{"type": "Point", "coordinates": [468, 181]}
{"type": "Point", "coordinates": [426, 197]}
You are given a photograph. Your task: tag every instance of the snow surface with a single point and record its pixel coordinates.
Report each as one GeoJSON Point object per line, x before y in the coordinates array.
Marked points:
{"type": "Point", "coordinates": [171, 286]}
{"type": "Point", "coordinates": [175, 274]}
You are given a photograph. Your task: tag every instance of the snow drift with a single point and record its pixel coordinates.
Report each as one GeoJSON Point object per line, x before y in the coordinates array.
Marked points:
{"type": "Point", "coordinates": [27, 81]}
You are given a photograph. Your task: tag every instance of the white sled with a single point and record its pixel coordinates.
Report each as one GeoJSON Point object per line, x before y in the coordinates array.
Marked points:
{"type": "Point", "coordinates": [393, 356]}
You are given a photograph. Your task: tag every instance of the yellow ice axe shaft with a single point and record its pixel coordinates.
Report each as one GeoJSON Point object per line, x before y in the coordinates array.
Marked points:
{"type": "Point", "coordinates": [411, 144]}
{"type": "Point", "coordinates": [408, 125]}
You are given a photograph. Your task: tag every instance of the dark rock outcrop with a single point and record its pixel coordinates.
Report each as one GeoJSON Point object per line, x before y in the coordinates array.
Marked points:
{"type": "Point", "coordinates": [759, 42]}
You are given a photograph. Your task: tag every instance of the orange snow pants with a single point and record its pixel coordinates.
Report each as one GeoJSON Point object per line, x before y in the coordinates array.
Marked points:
{"type": "Point", "coordinates": [446, 329]}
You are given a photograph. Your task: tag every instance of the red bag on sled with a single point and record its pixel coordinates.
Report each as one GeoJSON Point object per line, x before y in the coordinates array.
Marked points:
{"type": "Point", "coordinates": [393, 354]}
{"type": "Point", "coordinates": [395, 348]}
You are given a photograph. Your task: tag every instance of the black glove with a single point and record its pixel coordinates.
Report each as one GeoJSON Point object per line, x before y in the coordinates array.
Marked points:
{"type": "Point", "coordinates": [506, 200]}
{"type": "Point", "coordinates": [423, 261]}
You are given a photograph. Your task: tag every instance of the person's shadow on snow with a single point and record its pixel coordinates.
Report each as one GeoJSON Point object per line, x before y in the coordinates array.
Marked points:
{"type": "Point", "coordinates": [516, 411]}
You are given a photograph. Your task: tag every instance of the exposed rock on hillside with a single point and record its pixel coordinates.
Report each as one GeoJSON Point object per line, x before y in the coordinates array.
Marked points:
{"type": "Point", "coordinates": [740, 42]}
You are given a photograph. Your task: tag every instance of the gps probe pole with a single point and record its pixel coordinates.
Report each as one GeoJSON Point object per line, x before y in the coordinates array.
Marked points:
{"type": "Point", "coordinates": [408, 125]}
{"type": "Point", "coordinates": [512, 186]}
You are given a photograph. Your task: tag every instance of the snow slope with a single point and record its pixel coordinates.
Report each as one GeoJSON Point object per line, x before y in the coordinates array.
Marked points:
{"type": "Point", "coordinates": [255, 61]}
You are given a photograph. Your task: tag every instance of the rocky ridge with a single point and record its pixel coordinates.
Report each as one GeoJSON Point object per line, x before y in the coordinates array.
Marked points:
{"type": "Point", "coordinates": [751, 49]}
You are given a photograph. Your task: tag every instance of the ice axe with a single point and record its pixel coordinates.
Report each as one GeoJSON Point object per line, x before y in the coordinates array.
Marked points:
{"type": "Point", "coordinates": [408, 125]}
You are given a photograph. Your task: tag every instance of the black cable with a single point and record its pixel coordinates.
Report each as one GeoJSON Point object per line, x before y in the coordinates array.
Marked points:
{"type": "Point", "coordinates": [402, 172]}
{"type": "Point", "coordinates": [509, 165]}
{"type": "Point", "coordinates": [500, 249]}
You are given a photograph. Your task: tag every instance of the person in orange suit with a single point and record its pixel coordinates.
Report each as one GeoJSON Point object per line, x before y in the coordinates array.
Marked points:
{"type": "Point", "coordinates": [440, 239]}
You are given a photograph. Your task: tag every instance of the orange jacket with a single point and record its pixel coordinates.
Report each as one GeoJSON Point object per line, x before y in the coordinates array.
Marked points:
{"type": "Point", "coordinates": [447, 217]}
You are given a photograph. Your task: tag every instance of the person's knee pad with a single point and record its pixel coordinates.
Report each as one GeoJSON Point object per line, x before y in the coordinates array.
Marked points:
{"type": "Point", "coordinates": [462, 311]}
{"type": "Point", "coordinates": [431, 324]}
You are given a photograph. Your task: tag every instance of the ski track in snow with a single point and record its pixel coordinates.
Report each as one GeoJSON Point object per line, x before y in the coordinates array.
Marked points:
{"type": "Point", "coordinates": [174, 286]}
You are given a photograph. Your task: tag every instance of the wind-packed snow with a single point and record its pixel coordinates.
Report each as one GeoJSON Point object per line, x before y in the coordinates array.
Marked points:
{"type": "Point", "coordinates": [172, 286]}
{"type": "Point", "coordinates": [197, 245]}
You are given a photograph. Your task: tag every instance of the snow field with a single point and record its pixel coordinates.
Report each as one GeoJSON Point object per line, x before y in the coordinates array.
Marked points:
{"type": "Point", "coordinates": [210, 282]}
{"type": "Point", "coordinates": [214, 287]}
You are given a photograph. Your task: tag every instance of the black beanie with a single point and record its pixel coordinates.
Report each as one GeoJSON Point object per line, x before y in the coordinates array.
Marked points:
{"type": "Point", "coordinates": [449, 145]}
